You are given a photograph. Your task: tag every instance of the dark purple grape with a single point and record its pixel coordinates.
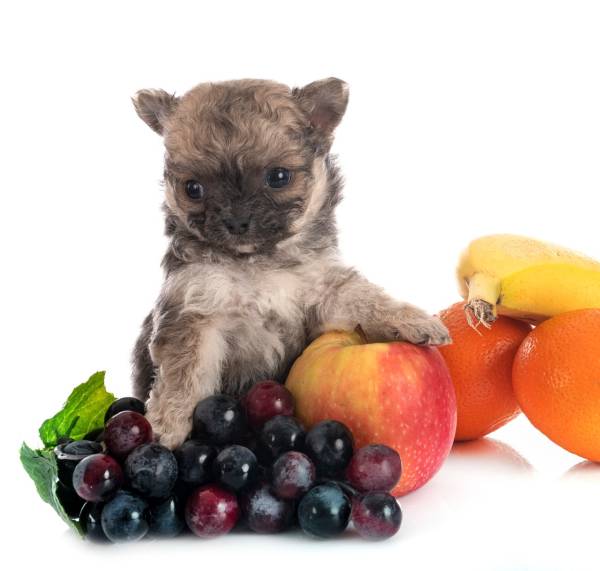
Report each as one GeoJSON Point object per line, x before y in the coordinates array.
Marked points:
{"type": "Point", "coordinates": [122, 404]}
{"type": "Point", "coordinates": [324, 511]}
{"type": "Point", "coordinates": [330, 445]}
{"type": "Point", "coordinates": [69, 500]}
{"type": "Point", "coordinates": [345, 487]}
{"type": "Point", "coordinates": [293, 474]}
{"type": "Point", "coordinates": [220, 419]}
{"type": "Point", "coordinates": [376, 515]}
{"type": "Point", "coordinates": [97, 477]}
{"type": "Point", "coordinates": [374, 468]}
{"type": "Point", "coordinates": [124, 518]}
{"type": "Point", "coordinates": [266, 400]}
{"type": "Point", "coordinates": [265, 512]}
{"type": "Point", "coordinates": [90, 521]}
{"type": "Point", "coordinates": [236, 467]}
{"type": "Point", "coordinates": [165, 518]}
{"type": "Point", "coordinates": [69, 454]}
{"type": "Point", "coordinates": [211, 511]}
{"type": "Point", "coordinates": [194, 461]}
{"type": "Point", "coordinates": [281, 434]}
{"type": "Point", "coordinates": [125, 431]}
{"type": "Point", "coordinates": [82, 448]}
{"type": "Point", "coordinates": [151, 470]}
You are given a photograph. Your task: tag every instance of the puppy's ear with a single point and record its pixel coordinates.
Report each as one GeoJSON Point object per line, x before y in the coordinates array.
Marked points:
{"type": "Point", "coordinates": [325, 102]}
{"type": "Point", "coordinates": [154, 106]}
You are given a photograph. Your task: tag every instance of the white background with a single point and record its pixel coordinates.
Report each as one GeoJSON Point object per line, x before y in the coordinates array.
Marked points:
{"type": "Point", "coordinates": [465, 118]}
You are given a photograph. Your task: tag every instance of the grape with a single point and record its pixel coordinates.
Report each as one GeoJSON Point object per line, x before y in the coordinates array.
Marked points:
{"type": "Point", "coordinates": [374, 468]}
{"type": "Point", "coordinates": [151, 470]}
{"type": "Point", "coordinates": [69, 500]}
{"type": "Point", "coordinates": [330, 445]}
{"type": "Point", "coordinates": [265, 512]}
{"type": "Point", "coordinates": [165, 518]}
{"type": "Point", "coordinates": [236, 467]}
{"type": "Point", "coordinates": [194, 461]}
{"type": "Point", "coordinates": [97, 477]}
{"type": "Point", "coordinates": [376, 515]}
{"type": "Point", "coordinates": [211, 511]}
{"type": "Point", "coordinates": [221, 419]}
{"type": "Point", "coordinates": [69, 454]}
{"type": "Point", "coordinates": [82, 448]}
{"type": "Point", "coordinates": [345, 487]}
{"type": "Point", "coordinates": [125, 431]}
{"type": "Point", "coordinates": [266, 400]}
{"type": "Point", "coordinates": [124, 518]}
{"type": "Point", "coordinates": [281, 434]}
{"type": "Point", "coordinates": [324, 511]}
{"type": "Point", "coordinates": [293, 475]}
{"type": "Point", "coordinates": [125, 403]}
{"type": "Point", "coordinates": [89, 519]}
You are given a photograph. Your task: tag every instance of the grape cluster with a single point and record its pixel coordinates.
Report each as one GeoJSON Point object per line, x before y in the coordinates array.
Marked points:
{"type": "Point", "coordinates": [248, 463]}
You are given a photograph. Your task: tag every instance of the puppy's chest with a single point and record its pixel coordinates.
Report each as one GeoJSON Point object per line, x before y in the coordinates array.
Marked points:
{"type": "Point", "coordinates": [260, 298]}
{"type": "Point", "coordinates": [268, 297]}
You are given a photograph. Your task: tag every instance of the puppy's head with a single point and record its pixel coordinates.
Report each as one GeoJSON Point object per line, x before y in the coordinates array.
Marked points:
{"type": "Point", "coordinates": [246, 161]}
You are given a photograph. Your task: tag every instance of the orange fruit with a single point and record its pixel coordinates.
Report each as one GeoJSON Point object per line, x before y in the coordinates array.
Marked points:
{"type": "Point", "coordinates": [480, 364]}
{"type": "Point", "coordinates": [556, 377]}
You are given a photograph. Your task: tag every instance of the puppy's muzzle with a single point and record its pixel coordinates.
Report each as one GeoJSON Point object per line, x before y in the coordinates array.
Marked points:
{"type": "Point", "coordinates": [237, 225]}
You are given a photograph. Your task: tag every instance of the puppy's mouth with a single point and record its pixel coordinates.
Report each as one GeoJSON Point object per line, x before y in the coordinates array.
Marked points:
{"type": "Point", "coordinates": [236, 242]}
{"type": "Point", "coordinates": [245, 248]}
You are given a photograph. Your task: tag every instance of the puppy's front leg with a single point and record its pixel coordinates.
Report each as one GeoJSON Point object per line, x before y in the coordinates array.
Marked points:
{"type": "Point", "coordinates": [346, 299]}
{"type": "Point", "coordinates": [187, 350]}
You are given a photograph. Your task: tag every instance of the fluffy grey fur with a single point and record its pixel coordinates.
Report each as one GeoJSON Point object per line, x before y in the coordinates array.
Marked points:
{"type": "Point", "coordinates": [238, 306]}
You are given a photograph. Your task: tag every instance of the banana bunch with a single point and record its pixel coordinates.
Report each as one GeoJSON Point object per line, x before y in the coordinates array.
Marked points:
{"type": "Point", "coordinates": [524, 278]}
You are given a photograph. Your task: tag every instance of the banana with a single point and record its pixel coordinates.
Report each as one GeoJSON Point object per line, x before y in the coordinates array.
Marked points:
{"type": "Point", "coordinates": [524, 278]}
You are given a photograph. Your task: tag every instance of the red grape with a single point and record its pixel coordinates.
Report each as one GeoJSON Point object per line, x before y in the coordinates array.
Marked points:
{"type": "Point", "coordinates": [125, 431]}
{"type": "Point", "coordinates": [266, 400]}
{"type": "Point", "coordinates": [376, 515]}
{"type": "Point", "coordinates": [97, 477]}
{"type": "Point", "coordinates": [293, 475]}
{"type": "Point", "coordinates": [211, 511]}
{"type": "Point", "coordinates": [374, 468]}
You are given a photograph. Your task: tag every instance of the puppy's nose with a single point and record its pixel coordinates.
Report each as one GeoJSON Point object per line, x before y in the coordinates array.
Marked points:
{"type": "Point", "coordinates": [237, 224]}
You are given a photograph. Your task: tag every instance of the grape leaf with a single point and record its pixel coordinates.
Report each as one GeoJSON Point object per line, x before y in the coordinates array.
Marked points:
{"type": "Point", "coordinates": [42, 469]}
{"type": "Point", "coordinates": [83, 412]}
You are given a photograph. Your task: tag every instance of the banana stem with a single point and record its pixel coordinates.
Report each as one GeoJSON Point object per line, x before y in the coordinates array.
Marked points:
{"type": "Point", "coordinates": [484, 291]}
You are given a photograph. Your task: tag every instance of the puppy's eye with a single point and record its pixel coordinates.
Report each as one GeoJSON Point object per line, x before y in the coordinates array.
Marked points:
{"type": "Point", "coordinates": [278, 177]}
{"type": "Point", "coordinates": [194, 189]}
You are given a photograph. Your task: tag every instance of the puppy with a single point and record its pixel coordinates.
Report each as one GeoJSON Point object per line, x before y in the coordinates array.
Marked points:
{"type": "Point", "coordinates": [252, 271]}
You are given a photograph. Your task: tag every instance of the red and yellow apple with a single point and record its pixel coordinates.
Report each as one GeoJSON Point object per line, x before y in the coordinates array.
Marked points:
{"type": "Point", "coordinates": [394, 393]}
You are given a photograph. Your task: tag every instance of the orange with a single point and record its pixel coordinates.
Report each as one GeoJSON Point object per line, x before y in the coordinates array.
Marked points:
{"type": "Point", "coordinates": [556, 377]}
{"type": "Point", "coordinates": [480, 364]}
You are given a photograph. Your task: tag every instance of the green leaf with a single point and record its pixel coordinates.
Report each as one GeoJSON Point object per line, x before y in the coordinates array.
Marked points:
{"type": "Point", "coordinates": [42, 469]}
{"type": "Point", "coordinates": [83, 412]}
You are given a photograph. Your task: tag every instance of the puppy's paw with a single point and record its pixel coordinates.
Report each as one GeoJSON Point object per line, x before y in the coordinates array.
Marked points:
{"type": "Point", "coordinates": [169, 431]}
{"type": "Point", "coordinates": [422, 330]}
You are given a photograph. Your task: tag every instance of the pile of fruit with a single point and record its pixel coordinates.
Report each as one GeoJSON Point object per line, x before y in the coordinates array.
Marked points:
{"type": "Point", "coordinates": [253, 464]}
{"type": "Point", "coordinates": [249, 463]}
{"type": "Point", "coordinates": [501, 366]}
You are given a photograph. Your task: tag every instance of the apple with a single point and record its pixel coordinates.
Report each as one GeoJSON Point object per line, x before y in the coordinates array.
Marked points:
{"type": "Point", "coordinates": [394, 393]}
